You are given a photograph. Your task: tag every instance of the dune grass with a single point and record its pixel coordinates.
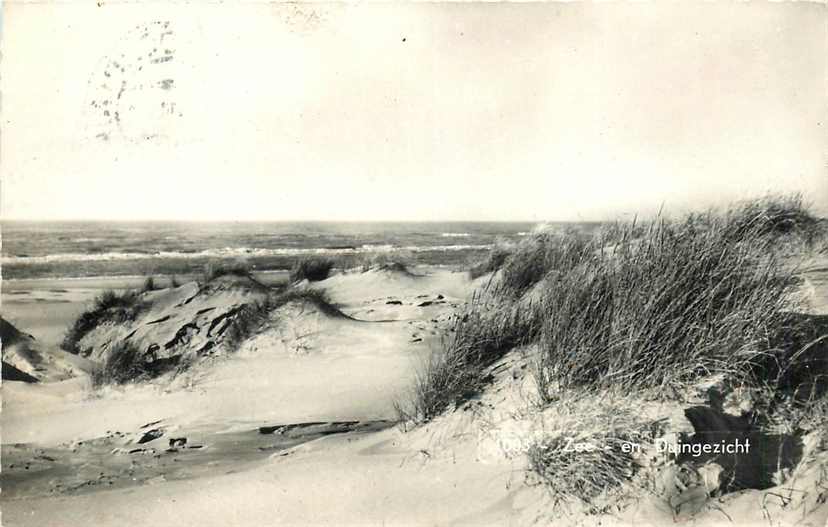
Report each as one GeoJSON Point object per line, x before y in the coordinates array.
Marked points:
{"type": "Point", "coordinates": [775, 216]}
{"type": "Point", "coordinates": [642, 305]}
{"type": "Point", "coordinates": [663, 309]}
{"type": "Point", "coordinates": [493, 262]}
{"type": "Point", "coordinates": [397, 267]}
{"type": "Point", "coordinates": [152, 284]}
{"type": "Point", "coordinates": [319, 298]}
{"type": "Point", "coordinates": [540, 254]}
{"type": "Point", "coordinates": [213, 270]}
{"type": "Point", "coordinates": [319, 267]}
{"type": "Point", "coordinates": [125, 363]}
{"type": "Point", "coordinates": [312, 269]}
{"type": "Point", "coordinates": [480, 335]}
{"type": "Point", "coordinates": [440, 381]}
{"type": "Point", "coordinates": [149, 285]}
{"type": "Point", "coordinates": [397, 261]}
{"type": "Point", "coordinates": [640, 308]}
{"type": "Point", "coordinates": [586, 454]}
{"type": "Point", "coordinates": [250, 318]}
{"type": "Point", "coordinates": [109, 306]}
{"type": "Point", "coordinates": [247, 320]}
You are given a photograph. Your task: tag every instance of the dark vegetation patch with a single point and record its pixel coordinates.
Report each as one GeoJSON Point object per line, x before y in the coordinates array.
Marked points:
{"type": "Point", "coordinates": [479, 336]}
{"type": "Point", "coordinates": [396, 266]}
{"type": "Point", "coordinates": [319, 298]}
{"type": "Point", "coordinates": [214, 270]}
{"type": "Point", "coordinates": [218, 276]}
{"type": "Point", "coordinates": [125, 363]}
{"type": "Point", "coordinates": [648, 307]}
{"type": "Point", "coordinates": [540, 254]}
{"type": "Point", "coordinates": [108, 307]}
{"type": "Point", "coordinates": [661, 310]}
{"type": "Point", "coordinates": [250, 318]}
{"type": "Point", "coordinates": [493, 262]}
{"type": "Point", "coordinates": [394, 261]}
{"type": "Point", "coordinates": [774, 217]}
{"type": "Point", "coordinates": [652, 305]}
{"type": "Point", "coordinates": [582, 457]}
{"type": "Point", "coordinates": [149, 285]}
{"type": "Point", "coordinates": [313, 269]}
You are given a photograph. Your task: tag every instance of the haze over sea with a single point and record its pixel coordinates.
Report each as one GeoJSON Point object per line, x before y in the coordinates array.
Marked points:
{"type": "Point", "coordinates": [83, 249]}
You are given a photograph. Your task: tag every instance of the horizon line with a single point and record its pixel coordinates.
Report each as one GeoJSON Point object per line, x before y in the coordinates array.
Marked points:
{"type": "Point", "coordinates": [170, 220]}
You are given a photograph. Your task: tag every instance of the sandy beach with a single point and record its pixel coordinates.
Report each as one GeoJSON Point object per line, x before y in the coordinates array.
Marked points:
{"type": "Point", "coordinates": [303, 412]}
{"type": "Point", "coordinates": [65, 443]}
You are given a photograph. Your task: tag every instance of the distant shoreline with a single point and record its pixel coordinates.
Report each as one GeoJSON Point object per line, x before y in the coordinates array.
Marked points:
{"type": "Point", "coordinates": [160, 266]}
{"type": "Point", "coordinates": [121, 277]}
{"type": "Point", "coordinates": [57, 250]}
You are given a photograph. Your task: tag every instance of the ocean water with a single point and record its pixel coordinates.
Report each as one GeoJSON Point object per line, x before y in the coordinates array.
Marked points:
{"type": "Point", "coordinates": [78, 249]}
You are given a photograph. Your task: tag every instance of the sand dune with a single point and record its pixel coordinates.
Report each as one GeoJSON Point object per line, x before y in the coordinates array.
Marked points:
{"type": "Point", "coordinates": [25, 358]}
{"type": "Point", "coordinates": [296, 426]}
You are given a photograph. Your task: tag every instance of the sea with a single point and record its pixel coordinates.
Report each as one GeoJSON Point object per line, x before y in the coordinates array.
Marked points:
{"type": "Point", "coordinates": [91, 249]}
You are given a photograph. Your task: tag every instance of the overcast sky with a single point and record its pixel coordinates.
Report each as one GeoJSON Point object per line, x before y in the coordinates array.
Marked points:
{"type": "Point", "coordinates": [407, 112]}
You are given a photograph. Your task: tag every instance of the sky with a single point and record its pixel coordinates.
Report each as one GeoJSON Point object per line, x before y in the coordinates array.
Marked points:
{"type": "Point", "coordinates": [530, 112]}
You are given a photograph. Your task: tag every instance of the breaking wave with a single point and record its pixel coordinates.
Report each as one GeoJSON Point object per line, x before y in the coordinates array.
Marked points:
{"type": "Point", "coordinates": [231, 252]}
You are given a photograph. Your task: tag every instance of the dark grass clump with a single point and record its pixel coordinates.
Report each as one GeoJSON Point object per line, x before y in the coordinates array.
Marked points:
{"type": "Point", "coordinates": [319, 298]}
{"type": "Point", "coordinates": [313, 269]}
{"type": "Point", "coordinates": [216, 270]}
{"type": "Point", "coordinates": [677, 303]}
{"type": "Point", "coordinates": [660, 309]}
{"type": "Point", "coordinates": [250, 318]}
{"type": "Point", "coordinates": [397, 267]}
{"type": "Point", "coordinates": [149, 285]}
{"type": "Point", "coordinates": [109, 306]}
{"type": "Point", "coordinates": [247, 321]}
{"type": "Point", "coordinates": [583, 458]}
{"type": "Point", "coordinates": [493, 262]}
{"type": "Point", "coordinates": [395, 261]}
{"type": "Point", "coordinates": [442, 380]}
{"type": "Point", "coordinates": [798, 368]}
{"type": "Point", "coordinates": [790, 389]}
{"type": "Point", "coordinates": [457, 369]}
{"type": "Point", "coordinates": [644, 306]}
{"type": "Point", "coordinates": [394, 266]}
{"type": "Point", "coordinates": [125, 363]}
{"type": "Point", "coordinates": [539, 255]}
{"type": "Point", "coordinates": [773, 217]}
